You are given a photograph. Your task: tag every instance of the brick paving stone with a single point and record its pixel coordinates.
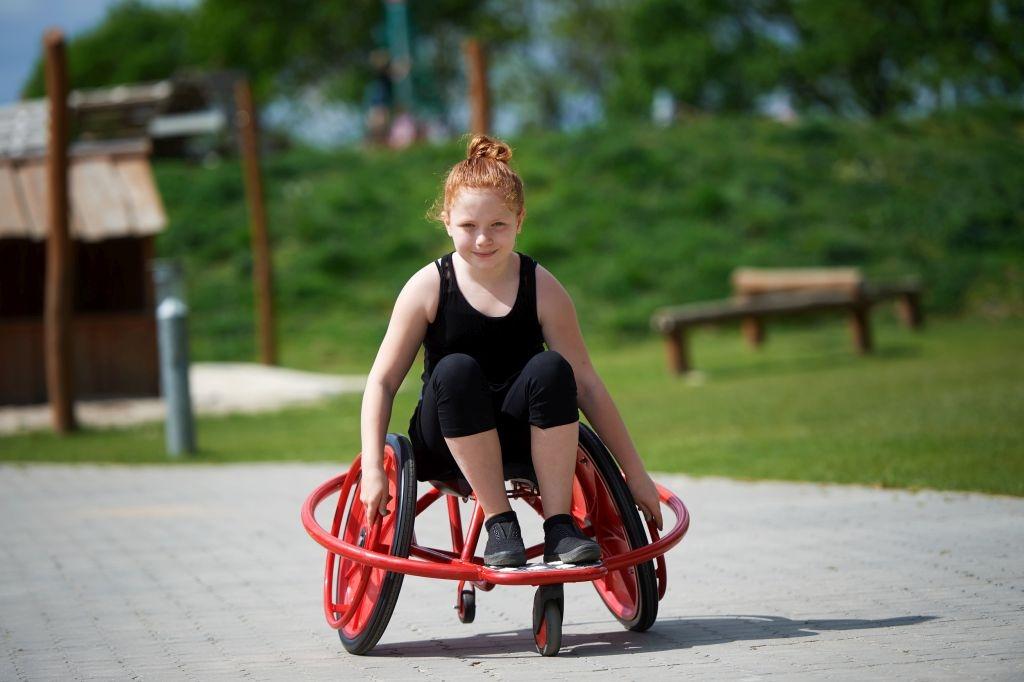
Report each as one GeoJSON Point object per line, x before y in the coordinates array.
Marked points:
{"type": "Point", "coordinates": [204, 573]}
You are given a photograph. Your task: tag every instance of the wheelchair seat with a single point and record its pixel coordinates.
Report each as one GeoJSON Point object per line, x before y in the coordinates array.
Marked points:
{"type": "Point", "coordinates": [521, 480]}
{"type": "Point", "coordinates": [459, 487]}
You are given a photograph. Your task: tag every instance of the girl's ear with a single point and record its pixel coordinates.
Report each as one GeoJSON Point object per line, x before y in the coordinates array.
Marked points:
{"type": "Point", "coordinates": [519, 219]}
{"type": "Point", "coordinates": [444, 220]}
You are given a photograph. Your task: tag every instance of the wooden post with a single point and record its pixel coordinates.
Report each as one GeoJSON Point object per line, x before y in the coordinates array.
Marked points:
{"type": "Point", "coordinates": [676, 351]}
{"type": "Point", "coordinates": [909, 307]}
{"type": "Point", "coordinates": [479, 95]}
{"type": "Point", "coordinates": [860, 327]}
{"type": "Point", "coordinates": [261, 272]}
{"type": "Point", "coordinates": [753, 331]}
{"type": "Point", "coordinates": [57, 322]}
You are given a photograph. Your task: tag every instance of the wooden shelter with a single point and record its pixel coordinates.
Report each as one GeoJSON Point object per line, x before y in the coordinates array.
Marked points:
{"type": "Point", "coordinates": [115, 213]}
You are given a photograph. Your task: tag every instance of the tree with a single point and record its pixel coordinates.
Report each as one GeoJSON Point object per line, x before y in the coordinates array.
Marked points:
{"type": "Point", "coordinates": [878, 58]}
{"type": "Point", "coordinates": [288, 46]}
{"type": "Point", "coordinates": [134, 42]}
{"type": "Point", "coordinates": [705, 52]}
{"type": "Point", "coordinates": [847, 57]}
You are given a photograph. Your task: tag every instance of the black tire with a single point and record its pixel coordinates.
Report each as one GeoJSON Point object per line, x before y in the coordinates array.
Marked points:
{"type": "Point", "coordinates": [548, 607]}
{"type": "Point", "coordinates": [467, 606]}
{"type": "Point", "coordinates": [551, 642]}
{"type": "Point", "coordinates": [405, 510]}
{"type": "Point", "coordinates": [646, 582]}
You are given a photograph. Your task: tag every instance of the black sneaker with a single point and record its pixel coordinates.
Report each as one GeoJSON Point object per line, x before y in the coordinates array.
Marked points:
{"type": "Point", "coordinates": [504, 541]}
{"type": "Point", "coordinates": [564, 542]}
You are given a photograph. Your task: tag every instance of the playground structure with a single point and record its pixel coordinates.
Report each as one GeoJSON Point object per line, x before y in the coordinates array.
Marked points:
{"type": "Point", "coordinates": [366, 564]}
{"type": "Point", "coordinates": [99, 190]}
{"type": "Point", "coordinates": [761, 293]}
{"type": "Point", "coordinates": [116, 213]}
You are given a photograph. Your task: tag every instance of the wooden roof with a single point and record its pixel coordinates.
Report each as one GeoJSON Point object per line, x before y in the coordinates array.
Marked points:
{"type": "Point", "coordinates": [111, 187]}
{"type": "Point", "coordinates": [187, 105]}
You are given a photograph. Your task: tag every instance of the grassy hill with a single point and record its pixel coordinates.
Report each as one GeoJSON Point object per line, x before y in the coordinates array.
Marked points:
{"type": "Point", "coordinates": [628, 217]}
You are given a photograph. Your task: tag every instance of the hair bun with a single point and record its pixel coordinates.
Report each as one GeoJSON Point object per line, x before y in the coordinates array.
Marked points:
{"type": "Point", "coordinates": [483, 147]}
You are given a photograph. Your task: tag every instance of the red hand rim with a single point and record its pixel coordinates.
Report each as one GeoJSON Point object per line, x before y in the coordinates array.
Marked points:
{"type": "Point", "coordinates": [338, 615]}
{"type": "Point", "coordinates": [465, 570]}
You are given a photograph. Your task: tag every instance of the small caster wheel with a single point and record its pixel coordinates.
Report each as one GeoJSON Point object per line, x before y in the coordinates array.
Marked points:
{"type": "Point", "coordinates": [467, 606]}
{"type": "Point", "coordinates": [548, 605]}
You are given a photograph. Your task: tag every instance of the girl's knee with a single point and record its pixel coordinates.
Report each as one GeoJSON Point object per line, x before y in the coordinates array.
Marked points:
{"type": "Point", "coordinates": [458, 369]}
{"type": "Point", "coordinates": [552, 393]}
{"type": "Point", "coordinates": [549, 367]}
{"type": "Point", "coordinates": [461, 396]}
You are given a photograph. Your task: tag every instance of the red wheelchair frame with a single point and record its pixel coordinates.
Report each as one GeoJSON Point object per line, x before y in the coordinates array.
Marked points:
{"type": "Point", "coordinates": [365, 565]}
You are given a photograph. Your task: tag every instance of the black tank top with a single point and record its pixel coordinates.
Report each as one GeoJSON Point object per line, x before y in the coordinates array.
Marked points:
{"type": "Point", "coordinates": [502, 345]}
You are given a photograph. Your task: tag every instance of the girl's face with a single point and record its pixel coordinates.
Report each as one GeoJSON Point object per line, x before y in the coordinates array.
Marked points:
{"type": "Point", "coordinates": [482, 227]}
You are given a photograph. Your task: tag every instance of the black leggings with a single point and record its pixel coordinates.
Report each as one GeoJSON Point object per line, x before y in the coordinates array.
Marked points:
{"type": "Point", "coordinates": [458, 401]}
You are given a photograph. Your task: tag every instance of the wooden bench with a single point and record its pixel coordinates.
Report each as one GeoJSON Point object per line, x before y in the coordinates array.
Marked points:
{"type": "Point", "coordinates": [762, 293]}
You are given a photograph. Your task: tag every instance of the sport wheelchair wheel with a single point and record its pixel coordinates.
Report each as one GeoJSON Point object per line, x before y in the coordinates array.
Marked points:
{"type": "Point", "coordinates": [603, 505]}
{"type": "Point", "coordinates": [370, 593]}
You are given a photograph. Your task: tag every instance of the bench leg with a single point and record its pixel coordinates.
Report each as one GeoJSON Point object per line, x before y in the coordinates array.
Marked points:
{"type": "Point", "coordinates": [753, 331]}
{"type": "Point", "coordinates": [676, 351]}
{"type": "Point", "coordinates": [909, 307]}
{"type": "Point", "coordinates": [860, 327]}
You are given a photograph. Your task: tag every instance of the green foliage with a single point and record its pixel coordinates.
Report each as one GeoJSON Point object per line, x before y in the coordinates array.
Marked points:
{"type": "Point", "coordinates": [135, 42]}
{"type": "Point", "coordinates": [283, 47]}
{"type": "Point", "coordinates": [288, 46]}
{"type": "Point", "coordinates": [629, 218]}
{"type": "Point", "coordinates": [845, 57]}
{"type": "Point", "coordinates": [840, 56]}
{"type": "Point", "coordinates": [879, 58]}
{"type": "Point", "coordinates": [708, 53]}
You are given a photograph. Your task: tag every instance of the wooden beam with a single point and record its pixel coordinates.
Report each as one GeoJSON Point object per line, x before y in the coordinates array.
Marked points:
{"type": "Point", "coordinates": [677, 352]}
{"type": "Point", "coordinates": [57, 316]}
{"type": "Point", "coordinates": [479, 94]}
{"type": "Point", "coordinates": [754, 281]}
{"type": "Point", "coordinates": [907, 294]}
{"type": "Point", "coordinates": [262, 269]}
{"type": "Point", "coordinates": [860, 328]}
{"type": "Point", "coordinates": [753, 331]}
{"type": "Point", "coordinates": [909, 307]}
{"type": "Point", "coordinates": [755, 306]}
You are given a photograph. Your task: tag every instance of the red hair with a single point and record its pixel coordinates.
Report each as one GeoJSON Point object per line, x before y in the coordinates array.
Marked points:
{"type": "Point", "coordinates": [485, 167]}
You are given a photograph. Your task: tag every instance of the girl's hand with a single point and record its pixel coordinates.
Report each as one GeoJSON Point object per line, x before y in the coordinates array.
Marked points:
{"type": "Point", "coordinates": [373, 492]}
{"type": "Point", "coordinates": [645, 494]}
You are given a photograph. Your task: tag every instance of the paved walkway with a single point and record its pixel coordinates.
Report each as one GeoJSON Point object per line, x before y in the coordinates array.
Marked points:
{"type": "Point", "coordinates": [204, 573]}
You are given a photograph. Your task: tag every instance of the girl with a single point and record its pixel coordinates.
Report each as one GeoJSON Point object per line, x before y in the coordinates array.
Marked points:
{"type": "Point", "coordinates": [495, 404]}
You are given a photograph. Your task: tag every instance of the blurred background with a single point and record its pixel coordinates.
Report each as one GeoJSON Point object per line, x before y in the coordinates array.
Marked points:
{"type": "Point", "coordinates": [663, 143]}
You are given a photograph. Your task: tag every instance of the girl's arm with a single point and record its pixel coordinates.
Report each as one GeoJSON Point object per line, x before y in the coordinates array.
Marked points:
{"type": "Point", "coordinates": [416, 303]}
{"type": "Point", "coordinates": [562, 334]}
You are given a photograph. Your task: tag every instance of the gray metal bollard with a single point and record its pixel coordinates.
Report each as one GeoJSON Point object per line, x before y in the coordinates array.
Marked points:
{"type": "Point", "coordinates": [172, 334]}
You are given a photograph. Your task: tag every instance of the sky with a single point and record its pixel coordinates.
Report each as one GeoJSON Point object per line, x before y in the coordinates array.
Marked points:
{"type": "Point", "coordinates": [22, 24]}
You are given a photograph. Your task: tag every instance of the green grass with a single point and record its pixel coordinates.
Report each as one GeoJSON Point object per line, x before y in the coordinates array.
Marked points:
{"type": "Point", "coordinates": [940, 409]}
{"type": "Point", "coordinates": [629, 217]}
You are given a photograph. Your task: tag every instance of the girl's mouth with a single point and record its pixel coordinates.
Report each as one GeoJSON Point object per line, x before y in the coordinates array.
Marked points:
{"type": "Point", "coordinates": [486, 254]}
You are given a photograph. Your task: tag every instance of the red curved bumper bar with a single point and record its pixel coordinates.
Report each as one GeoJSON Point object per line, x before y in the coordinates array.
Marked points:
{"type": "Point", "coordinates": [442, 565]}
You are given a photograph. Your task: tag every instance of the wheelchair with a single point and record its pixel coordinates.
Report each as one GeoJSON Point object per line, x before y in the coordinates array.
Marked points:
{"type": "Point", "coordinates": [366, 565]}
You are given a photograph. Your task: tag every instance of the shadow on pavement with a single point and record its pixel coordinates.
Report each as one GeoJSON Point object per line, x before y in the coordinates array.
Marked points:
{"type": "Point", "coordinates": [668, 634]}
